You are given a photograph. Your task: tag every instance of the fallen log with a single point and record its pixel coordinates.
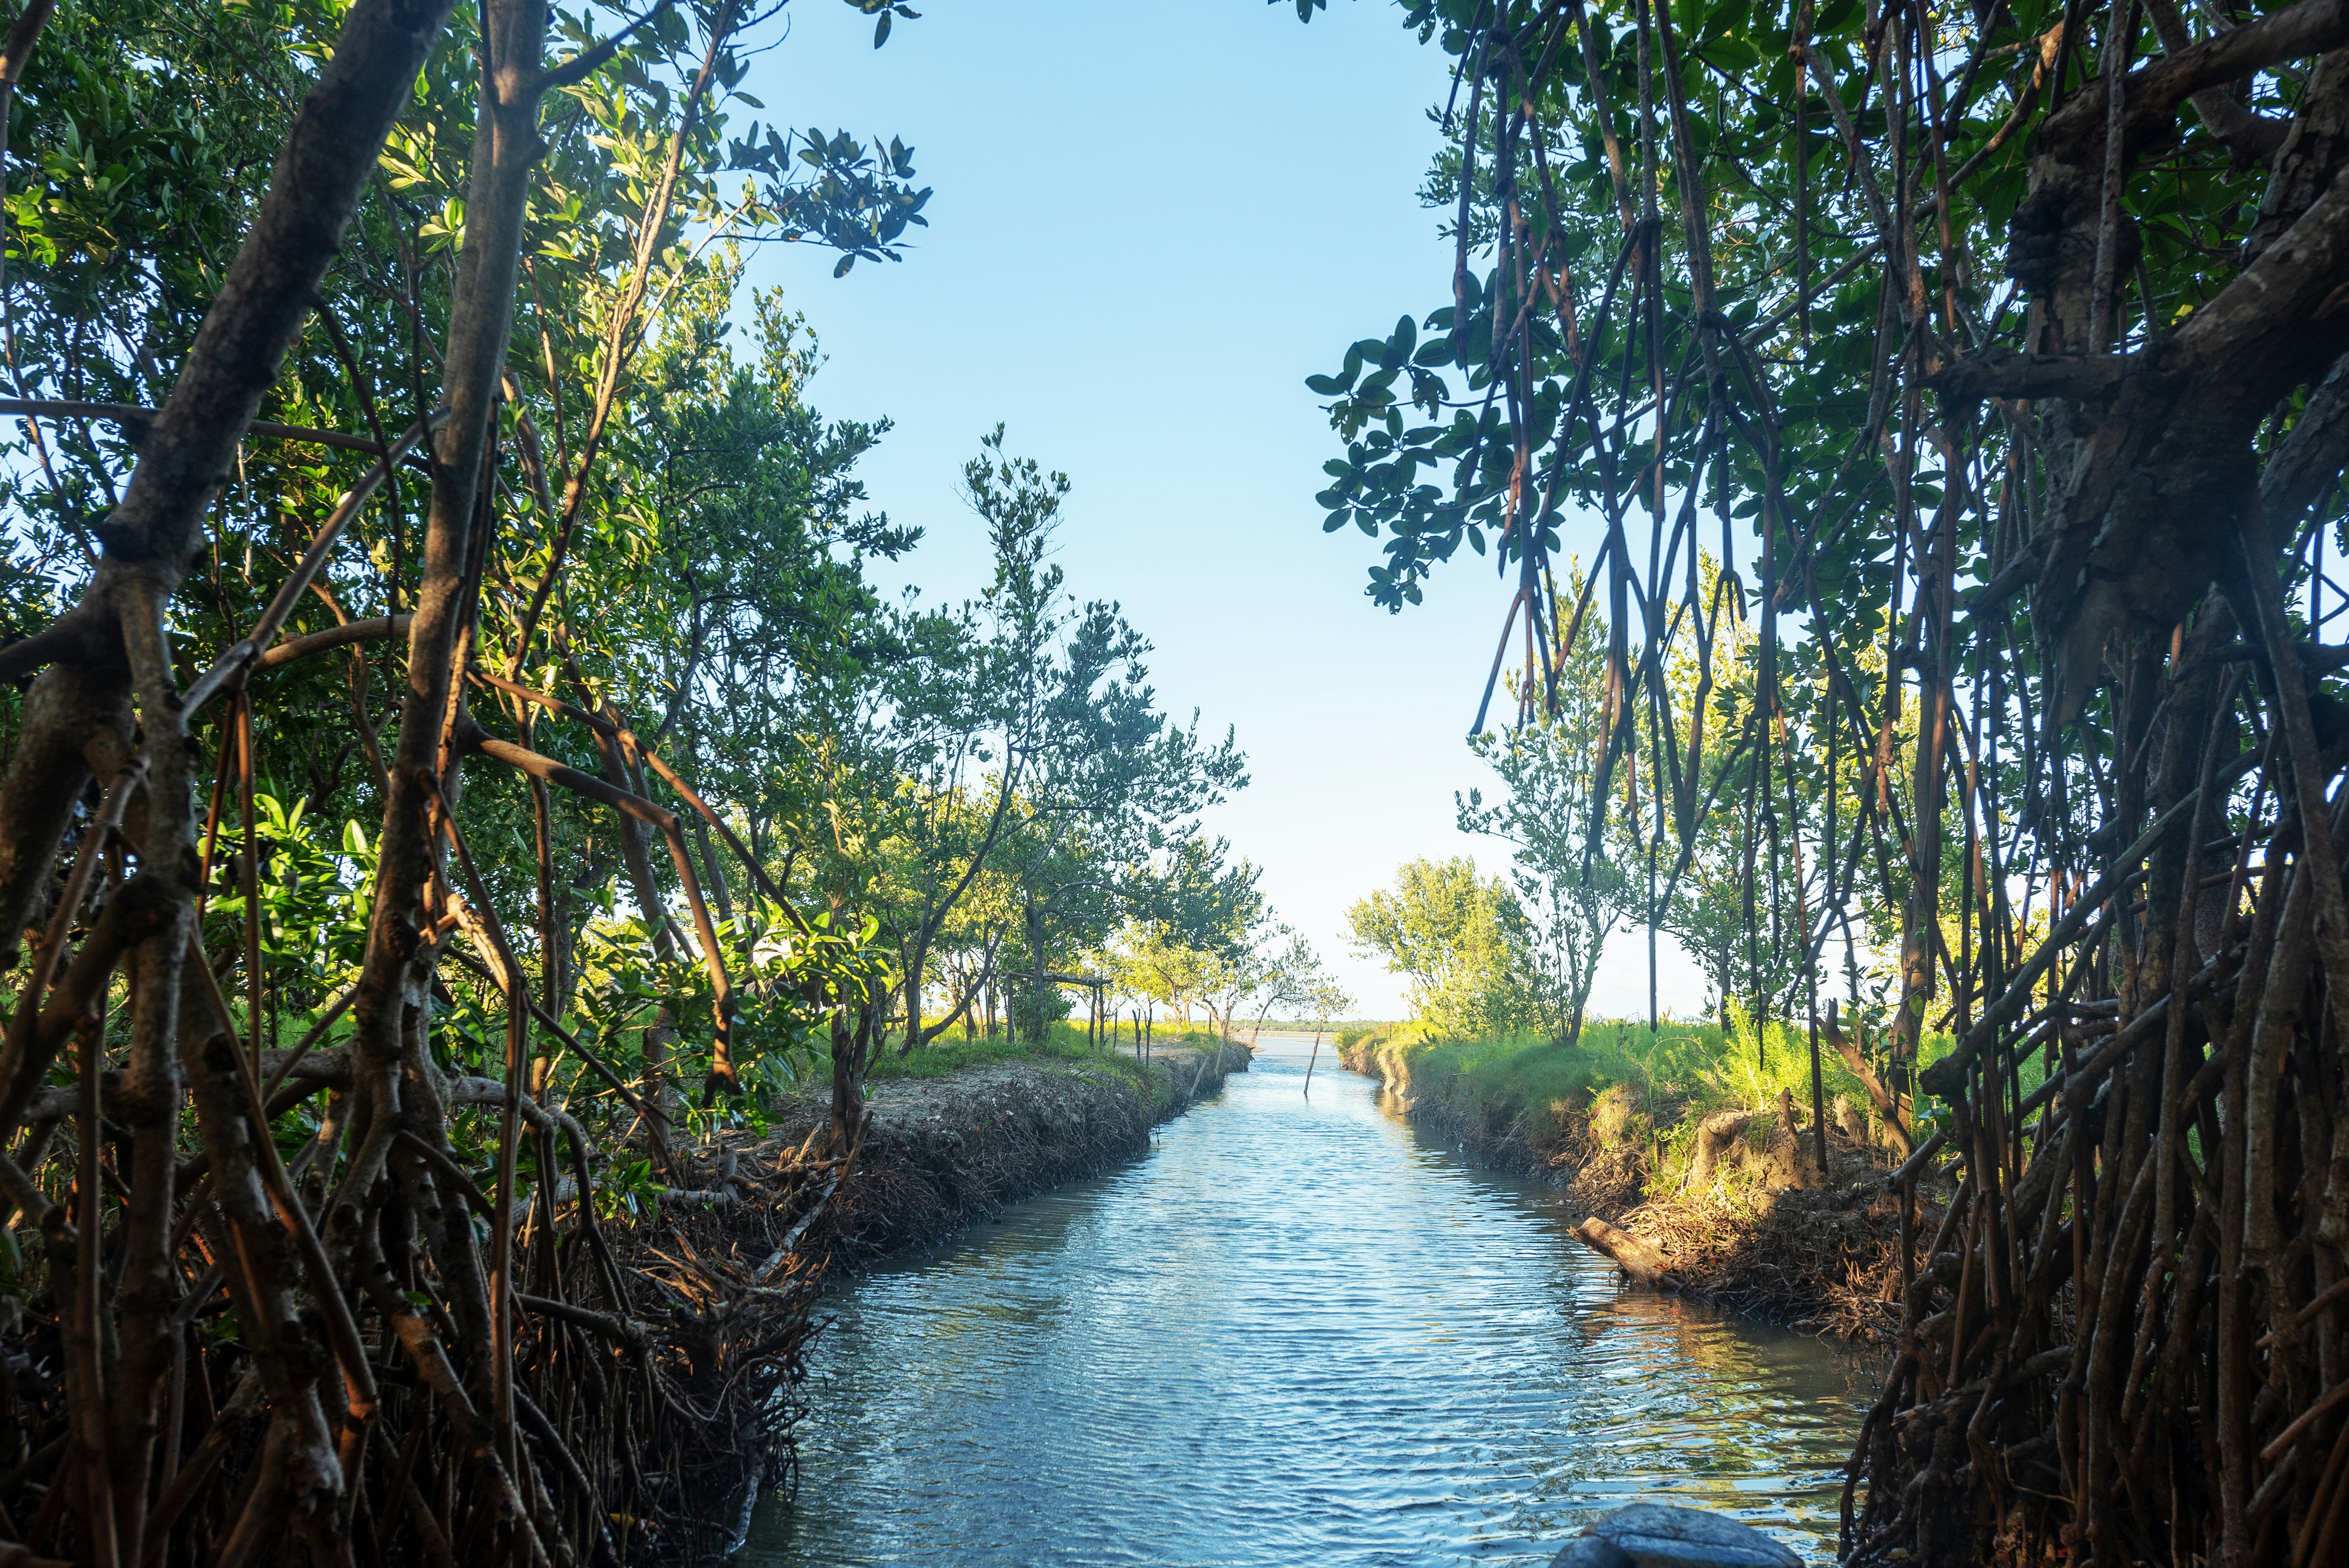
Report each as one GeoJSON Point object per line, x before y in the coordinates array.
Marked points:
{"type": "Point", "coordinates": [1643, 1261]}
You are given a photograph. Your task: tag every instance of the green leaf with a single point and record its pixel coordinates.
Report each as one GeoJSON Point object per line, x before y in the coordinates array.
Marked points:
{"type": "Point", "coordinates": [881, 30]}
{"type": "Point", "coordinates": [1729, 56]}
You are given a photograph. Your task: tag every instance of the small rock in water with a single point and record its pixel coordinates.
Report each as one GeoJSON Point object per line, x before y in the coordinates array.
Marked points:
{"type": "Point", "coordinates": [1651, 1535]}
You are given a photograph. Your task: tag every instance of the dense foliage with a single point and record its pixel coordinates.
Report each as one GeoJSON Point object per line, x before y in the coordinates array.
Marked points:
{"type": "Point", "coordinates": [462, 785]}
{"type": "Point", "coordinates": [1999, 348]}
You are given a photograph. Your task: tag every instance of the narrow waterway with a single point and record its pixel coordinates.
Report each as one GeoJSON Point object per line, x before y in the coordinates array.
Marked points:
{"type": "Point", "coordinates": [1294, 1334]}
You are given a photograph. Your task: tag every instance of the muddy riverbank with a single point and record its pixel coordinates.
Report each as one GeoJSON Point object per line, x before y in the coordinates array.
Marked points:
{"type": "Point", "coordinates": [941, 1154]}
{"type": "Point", "coordinates": [1768, 1235]}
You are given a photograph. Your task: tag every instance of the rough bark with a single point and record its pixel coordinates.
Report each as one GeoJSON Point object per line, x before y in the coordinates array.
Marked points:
{"type": "Point", "coordinates": [1716, 1136]}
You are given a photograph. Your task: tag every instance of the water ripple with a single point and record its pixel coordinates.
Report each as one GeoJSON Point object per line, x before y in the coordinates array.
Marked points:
{"type": "Point", "coordinates": [1293, 1334]}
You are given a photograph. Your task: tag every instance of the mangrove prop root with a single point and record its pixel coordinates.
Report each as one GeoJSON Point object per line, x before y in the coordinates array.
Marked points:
{"type": "Point", "coordinates": [2066, 559]}
{"type": "Point", "coordinates": [370, 1351]}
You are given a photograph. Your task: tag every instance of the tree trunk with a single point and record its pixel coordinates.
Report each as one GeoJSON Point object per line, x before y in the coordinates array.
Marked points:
{"type": "Point", "coordinates": [1887, 1108]}
{"type": "Point", "coordinates": [1715, 1135]}
{"type": "Point", "coordinates": [1035, 917]}
{"type": "Point", "coordinates": [714, 871]}
{"type": "Point", "coordinates": [916, 960]}
{"type": "Point", "coordinates": [660, 1035]}
{"type": "Point", "coordinates": [1788, 1163]}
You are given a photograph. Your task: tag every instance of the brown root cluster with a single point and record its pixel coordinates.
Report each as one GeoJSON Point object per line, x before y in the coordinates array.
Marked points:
{"type": "Point", "coordinates": [352, 1302]}
{"type": "Point", "coordinates": [1823, 1261]}
{"type": "Point", "coordinates": [654, 1374]}
{"type": "Point", "coordinates": [2059, 736]}
{"type": "Point", "coordinates": [2123, 1336]}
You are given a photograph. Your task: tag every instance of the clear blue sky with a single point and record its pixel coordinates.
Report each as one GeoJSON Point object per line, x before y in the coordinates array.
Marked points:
{"type": "Point", "coordinates": [1152, 220]}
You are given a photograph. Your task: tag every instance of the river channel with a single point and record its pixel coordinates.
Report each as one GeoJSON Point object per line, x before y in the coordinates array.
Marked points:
{"type": "Point", "coordinates": [1295, 1333]}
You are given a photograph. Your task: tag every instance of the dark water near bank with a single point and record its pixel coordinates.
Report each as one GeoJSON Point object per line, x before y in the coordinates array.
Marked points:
{"type": "Point", "coordinates": [1292, 1335]}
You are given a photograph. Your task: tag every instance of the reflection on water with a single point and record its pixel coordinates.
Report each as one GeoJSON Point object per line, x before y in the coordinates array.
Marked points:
{"type": "Point", "coordinates": [1292, 1335]}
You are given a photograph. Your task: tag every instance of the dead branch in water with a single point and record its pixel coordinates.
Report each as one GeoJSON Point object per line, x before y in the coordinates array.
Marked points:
{"type": "Point", "coordinates": [1643, 1261]}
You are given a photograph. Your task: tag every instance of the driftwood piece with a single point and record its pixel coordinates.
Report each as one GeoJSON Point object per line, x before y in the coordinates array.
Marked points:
{"type": "Point", "coordinates": [1643, 1261]}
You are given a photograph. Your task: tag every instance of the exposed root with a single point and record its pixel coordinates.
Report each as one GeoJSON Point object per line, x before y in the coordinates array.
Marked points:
{"type": "Point", "coordinates": [1826, 1260]}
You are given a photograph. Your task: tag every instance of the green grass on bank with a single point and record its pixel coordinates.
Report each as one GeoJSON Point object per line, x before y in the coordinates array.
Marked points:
{"type": "Point", "coordinates": [951, 1053]}
{"type": "Point", "coordinates": [1670, 1078]}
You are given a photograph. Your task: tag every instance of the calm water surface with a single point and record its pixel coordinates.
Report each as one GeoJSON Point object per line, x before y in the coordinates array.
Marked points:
{"type": "Point", "coordinates": [1295, 1333]}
